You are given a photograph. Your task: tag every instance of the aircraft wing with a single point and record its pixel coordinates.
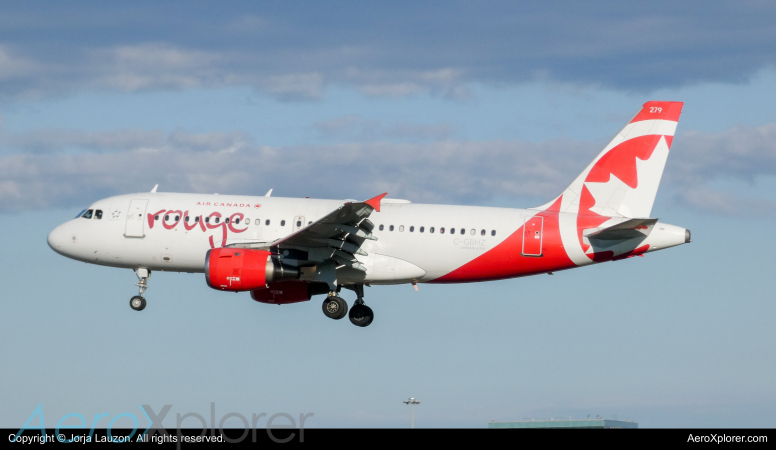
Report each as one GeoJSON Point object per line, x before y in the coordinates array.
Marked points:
{"type": "Point", "coordinates": [337, 235]}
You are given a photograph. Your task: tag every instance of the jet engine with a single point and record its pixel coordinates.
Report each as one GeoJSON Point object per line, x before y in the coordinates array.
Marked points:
{"type": "Point", "coordinates": [239, 269]}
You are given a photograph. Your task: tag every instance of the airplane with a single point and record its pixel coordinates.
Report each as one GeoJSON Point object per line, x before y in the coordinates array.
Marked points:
{"type": "Point", "coordinates": [286, 250]}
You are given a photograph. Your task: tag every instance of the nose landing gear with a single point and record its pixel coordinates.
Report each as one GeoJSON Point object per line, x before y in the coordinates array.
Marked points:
{"type": "Point", "coordinates": [138, 302]}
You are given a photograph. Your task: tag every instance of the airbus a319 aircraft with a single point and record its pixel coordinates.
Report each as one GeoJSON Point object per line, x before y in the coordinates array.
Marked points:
{"type": "Point", "coordinates": [285, 250]}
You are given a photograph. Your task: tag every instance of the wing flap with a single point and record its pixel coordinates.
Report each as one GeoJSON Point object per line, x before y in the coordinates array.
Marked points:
{"type": "Point", "coordinates": [337, 236]}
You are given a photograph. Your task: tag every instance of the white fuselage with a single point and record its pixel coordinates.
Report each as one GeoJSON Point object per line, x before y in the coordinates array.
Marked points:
{"type": "Point", "coordinates": [415, 242]}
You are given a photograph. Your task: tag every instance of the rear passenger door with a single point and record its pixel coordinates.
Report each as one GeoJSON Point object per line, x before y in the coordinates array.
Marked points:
{"type": "Point", "coordinates": [532, 236]}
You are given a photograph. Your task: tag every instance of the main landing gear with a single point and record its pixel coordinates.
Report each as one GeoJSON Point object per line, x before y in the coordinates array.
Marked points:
{"type": "Point", "coordinates": [336, 308]}
{"type": "Point", "coordinates": [138, 302]}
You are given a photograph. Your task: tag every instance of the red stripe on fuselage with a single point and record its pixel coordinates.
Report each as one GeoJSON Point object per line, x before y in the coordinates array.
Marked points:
{"type": "Point", "coordinates": [506, 259]}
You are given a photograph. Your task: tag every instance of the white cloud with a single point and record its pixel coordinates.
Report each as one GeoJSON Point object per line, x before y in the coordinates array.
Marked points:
{"type": "Point", "coordinates": [44, 168]}
{"type": "Point", "coordinates": [15, 67]}
{"type": "Point", "coordinates": [295, 86]}
{"type": "Point", "coordinates": [294, 52]}
{"type": "Point", "coordinates": [357, 128]}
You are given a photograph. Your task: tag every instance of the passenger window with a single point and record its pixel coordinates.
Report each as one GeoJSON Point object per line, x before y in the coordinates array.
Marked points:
{"type": "Point", "coordinates": [216, 219]}
{"type": "Point", "coordinates": [186, 219]}
{"type": "Point", "coordinates": [267, 222]}
{"type": "Point", "coordinates": [390, 228]}
{"type": "Point", "coordinates": [482, 233]}
{"type": "Point", "coordinates": [422, 228]}
{"type": "Point", "coordinates": [473, 232]}
{"type": "Point", "coordinates": [156, 217]}
{"type": "Point", "coordinates": [401, 227]}
{"type": "Point", "coordinates": [412, 228]}
{"type": "Point", "coordinates": [282, 223]}
{"type": "Point", "coordinates": [431, 230]}
{"type": "Point", "coordinates": [166, 217]}
{"type": "Point", "coordinates": [177, 218]}
{"type": "Point", "coordinates": [463, 231]}
{"type": "Point", "coordinates": [442, 230]}
{"type": "Point", "coordinates": [247, 221]}
{"type": "Point", "coordinates": [310, 223]}
{"type": "Point", "coordinates": [493, 233]}
{"type": "Point", "coordinates": [237, 220]}
{"type": "Point", "coordinates": [207, 219]}
{"type": "Point", "coordinates": [88, 214]}
{"type": "Point", "coordinates": [226, 220]}
{"type": "Point", "coordinates": [196, 219]}
{"type": "Point", "coordinates": [381, 227]}
{"type": "Point", "coordinates": [98, 214]}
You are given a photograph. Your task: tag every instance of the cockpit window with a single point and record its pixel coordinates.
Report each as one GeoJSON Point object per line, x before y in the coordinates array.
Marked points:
{"type": "Point", "coordinates": [87, 214]}
{"type": "Point", "coordinates": [80, 214]}
{"type": "Point", "coordinates": [98, 214]}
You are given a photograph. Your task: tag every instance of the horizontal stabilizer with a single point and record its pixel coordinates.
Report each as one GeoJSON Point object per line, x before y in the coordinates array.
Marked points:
{"type": "Point", "coordinates": [630, 229]}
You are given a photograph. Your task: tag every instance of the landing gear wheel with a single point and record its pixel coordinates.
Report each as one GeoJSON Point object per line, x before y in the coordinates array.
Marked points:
{"type": "Point", "coordinates": [335, 308]}
{"type": "Point", "coordinates": [361, 315]}
{"type": "Point", "coordinates": [137, 303]}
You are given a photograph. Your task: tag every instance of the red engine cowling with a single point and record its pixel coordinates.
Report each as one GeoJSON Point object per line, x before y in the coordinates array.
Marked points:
{"type": "Point", "coordinates": [282, 293]}
{"type": "Point", "coordinates": [239, 269]}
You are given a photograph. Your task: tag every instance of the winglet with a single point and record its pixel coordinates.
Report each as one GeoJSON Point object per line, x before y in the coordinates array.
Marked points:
{"type": "Point", "coordinates": [375, 202]}
{"type": "Point", "coordinates": [269, 193]}
{"type": "Point", "coordinates": [153, 191]}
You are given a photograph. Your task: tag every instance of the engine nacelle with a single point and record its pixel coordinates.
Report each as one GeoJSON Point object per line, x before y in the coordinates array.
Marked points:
{"type": "Point", "coordinates": [284, 292]}
{"type": "Point", "coordinates": [239, 269]}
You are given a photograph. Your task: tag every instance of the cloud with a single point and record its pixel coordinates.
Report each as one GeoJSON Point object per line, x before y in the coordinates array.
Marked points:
{"type": "Point", "coordinates": [703, 199]}
{"type": "Point", "coordinates": [295, 86]}
{"type": "Point", "coordinates": [13, 67]}
{"type": "Point", "coordinates": [48, 168]}
{"type": "Point", "coordinates": [59, 140]}
{"type": "Point", "coordinates": [295, 51]}
{"type": "Point", "coordinates": [355, 127]}
{"type": "Point", "coordinates": [742, 152]}
{"type": "Point", "coordinates": [448, 172]}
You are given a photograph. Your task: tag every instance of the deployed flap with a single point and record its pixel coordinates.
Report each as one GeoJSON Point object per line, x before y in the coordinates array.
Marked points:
{"type": "Point", "coordinates": [347, 223]}
{"type": "Point", "coordinates": [632, 228]}
{"type": "Point", "coordinates": [341, 233]}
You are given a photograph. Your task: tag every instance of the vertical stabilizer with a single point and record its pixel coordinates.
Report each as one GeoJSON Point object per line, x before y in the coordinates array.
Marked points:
{"type": "Point", "coordinates": [622, 180]}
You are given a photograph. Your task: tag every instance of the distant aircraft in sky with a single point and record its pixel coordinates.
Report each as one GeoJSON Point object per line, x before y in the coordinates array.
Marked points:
{"type": "Point", "coordinates": [285, 250]}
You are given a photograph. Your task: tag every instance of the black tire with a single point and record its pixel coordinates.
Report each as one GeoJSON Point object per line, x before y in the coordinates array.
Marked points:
{"type": "Point", "coordinates": [361, 315]}
{"type": "Point", "coordinates": [343, 308]}
{"type": "Point", "coordinates": [370, 315]}
{"type": "Point", "coordinates": [137, 303]}
{"type": "Point", "coordinates": [334, 308]}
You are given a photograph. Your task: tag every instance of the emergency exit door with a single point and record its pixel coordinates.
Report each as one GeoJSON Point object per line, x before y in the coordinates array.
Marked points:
{"type": "Point", "coordinates": [532, 236]}
{"type": "Point", "coordinates": [298, 223]}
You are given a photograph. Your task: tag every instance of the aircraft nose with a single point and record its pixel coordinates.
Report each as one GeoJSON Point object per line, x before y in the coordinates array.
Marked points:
{"type": "Point", "coordinates": [57, 239]}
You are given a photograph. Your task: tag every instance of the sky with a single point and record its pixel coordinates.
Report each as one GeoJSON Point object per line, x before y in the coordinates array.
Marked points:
{"type": "Point", "coordinates": [495, 103]}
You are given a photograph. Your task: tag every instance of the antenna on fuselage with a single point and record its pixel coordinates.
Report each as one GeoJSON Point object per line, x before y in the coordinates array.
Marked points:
{"type": "Point", "coordinates": [153, 191]}
{"type": "Point", "coordinates": [269, 193]}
